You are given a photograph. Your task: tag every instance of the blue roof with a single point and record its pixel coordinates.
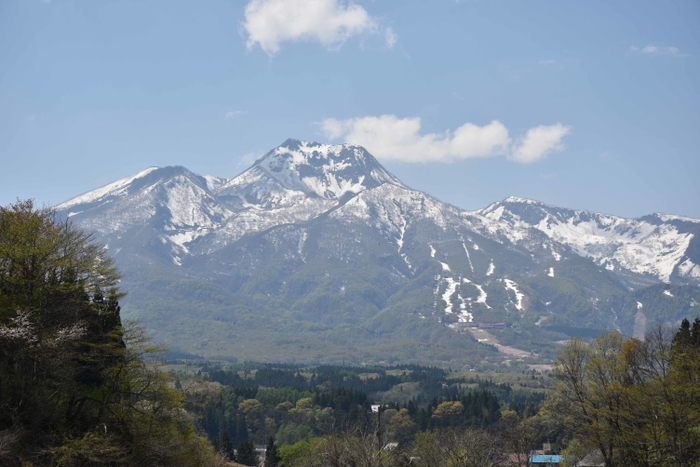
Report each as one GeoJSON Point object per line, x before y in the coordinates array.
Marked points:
{"type": "Point", "coordinates": [545, 458]}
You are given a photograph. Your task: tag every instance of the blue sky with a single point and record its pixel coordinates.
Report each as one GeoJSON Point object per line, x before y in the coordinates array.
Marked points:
{"type": "Point", "coordinates": [591, 105]}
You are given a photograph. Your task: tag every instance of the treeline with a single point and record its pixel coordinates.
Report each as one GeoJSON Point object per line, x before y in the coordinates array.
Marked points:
{"type": "Point", "coordinates": [366, 379]}
{"type": "Point", "coordinates": [293, 404]}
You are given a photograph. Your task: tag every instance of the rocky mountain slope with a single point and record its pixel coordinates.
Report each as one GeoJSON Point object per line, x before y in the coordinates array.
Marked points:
{"type": "Point", "coordinates": [317, 253]}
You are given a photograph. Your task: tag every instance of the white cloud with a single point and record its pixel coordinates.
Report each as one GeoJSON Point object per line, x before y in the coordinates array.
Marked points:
{"type": "Point", "coordinates": [330, 22]}
{"type": "Point", "coordinates": [391, 138]}
{"type": "Point", "coordinates": [234, 114]}
{"type": "Point", "coordinates": [657, 50]}
{"type": "Point", "coordinates": [539, 142]}
{"type": "Point", "coordinates": [390, 37]}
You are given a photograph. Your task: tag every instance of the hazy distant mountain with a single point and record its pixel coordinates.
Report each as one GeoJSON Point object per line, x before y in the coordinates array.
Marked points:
{"type": "Point", "coordinates": [317, 253]}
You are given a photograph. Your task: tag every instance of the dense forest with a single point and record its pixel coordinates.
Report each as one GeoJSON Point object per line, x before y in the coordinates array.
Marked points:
{"type": "Point", "coordinates": [295, 404]}
{"type": "Point", "coordinates": [80, 387]}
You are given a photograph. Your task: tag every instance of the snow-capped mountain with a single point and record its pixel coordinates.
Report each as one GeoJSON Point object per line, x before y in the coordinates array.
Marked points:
{"type": "Point", "coordinates": [658, 245]}
{"type": "Point", "coordinates": [298, 169]}
{"type": "Point", "coordinates": [320, 241]}
{"type": "Point", "coordinates": [176, 197]}
{"type": "Point", "coordinates": [296, 182]}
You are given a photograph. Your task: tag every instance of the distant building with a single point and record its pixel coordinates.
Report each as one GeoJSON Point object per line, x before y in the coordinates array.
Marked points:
{"type": "Point", "coordinates": [492, 325]}
{"type": "Point", "coordinates": [545, 460]}
{"type": "Point", "coordinates": [466, 326]}
{"type": "Point", "coordinates": [545, 457]}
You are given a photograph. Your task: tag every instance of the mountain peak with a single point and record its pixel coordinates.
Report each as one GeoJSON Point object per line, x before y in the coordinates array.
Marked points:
{"type": "Point", "coordinates": [308, 169]}
{"type": "Point", "coordinates": [109, 189]}
{"type": "Point", "coordinates": [134, 183]}
{"type": "Point", "coordinates": [515, 199]}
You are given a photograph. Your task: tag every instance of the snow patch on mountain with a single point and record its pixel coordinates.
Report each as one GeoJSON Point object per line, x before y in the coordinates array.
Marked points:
{"type": "Point", "coordinates": [447, 296]}
{"type": "Point", "coordinates": [492, 268]}
{"type": "Point", "coordinates": [118, 188]}
{"type": "Point", "coordinates": [191, 206]}
{"type": "Point", "coordinates": [671, 217]}
{"type": "Point", "coordinates": [482, 293]}
{"type": "Point", "coordinates": [465, 316]}
{"type": "Point", "coordinates": [511, 285]}
{"type": "Point", "coordinates": [214, 183]}
{"type": "Point", "coordinates": [469, 259]}
{"type": "Point", "coordinates": [689, 269]}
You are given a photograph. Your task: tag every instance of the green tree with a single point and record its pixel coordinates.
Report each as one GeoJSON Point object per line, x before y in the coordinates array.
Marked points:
{"type": "Point", "coordinates": [246, 453]}
{"type": "Point", "coordinates": [637, 402]}
{"type": "Point", "coordinates": [402, 427]}
{"type": "Point", "coordinates": [272, 458]}
{"type": "Point", "coordinates": [588, 394]}
{"type": "Point", "coordinates": [471, 447]}
{"type": "Point", "coordinates": [60, 327]}
{"type": "Point", "coordinates": [76, 386]}
{"type": "Point", "coordinates": [225, 446]}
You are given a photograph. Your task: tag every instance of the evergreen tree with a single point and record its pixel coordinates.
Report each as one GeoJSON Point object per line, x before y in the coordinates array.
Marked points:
{"type": "Point", "coordinates": [225, 446]}
{"type": "Point", "coordinates": [241, 429]}
{"type": "Point", "coordinates": [246, 454]}
{"type": "Point", "coordinates": [272, 457]}
{"type": "Point", "coordinates": [695, 333]}
{"type": "Point", "coordinates": [683, 337]}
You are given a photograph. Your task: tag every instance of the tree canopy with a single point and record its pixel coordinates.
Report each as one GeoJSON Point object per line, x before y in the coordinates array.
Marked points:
{"type": "Point", "coordinates": [77, 386]}
{"type": "Point", "coordinates": [636, 402]}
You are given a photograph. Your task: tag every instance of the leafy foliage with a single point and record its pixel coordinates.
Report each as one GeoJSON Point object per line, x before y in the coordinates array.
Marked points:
{"type": "Point", "coordinates": [634, 401]}
{"type": "Point", "coordinates": [78, 387]}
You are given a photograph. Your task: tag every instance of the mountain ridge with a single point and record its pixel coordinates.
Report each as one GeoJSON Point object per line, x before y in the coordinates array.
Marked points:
{"type": "Point", "coordinates": [316, 238]}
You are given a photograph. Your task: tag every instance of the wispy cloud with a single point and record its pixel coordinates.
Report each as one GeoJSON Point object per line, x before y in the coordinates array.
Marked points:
{"type": "Point", "coordinates": [234, 114]}
{"type": "Point", "coordinates": [657, 50]}
{"type": "Point", "coordinates": [390, 37]}
{"type": "Point", "coordinates": [269, 23]}
{"type": "Point", "coordinates": [391, 138]}
{"type": "Point", "coordinates": [557, 64]}
{"type": "Point", "coordinates": [248, 158]}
